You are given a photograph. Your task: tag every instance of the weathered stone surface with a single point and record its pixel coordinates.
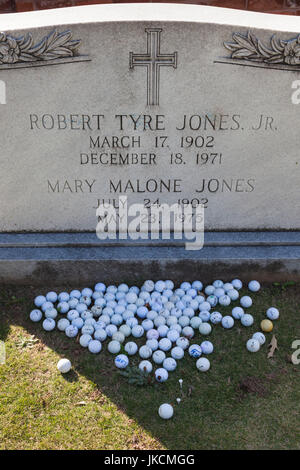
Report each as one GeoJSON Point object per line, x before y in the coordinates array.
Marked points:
{"type": "Point", "coordinates": [157, 89]}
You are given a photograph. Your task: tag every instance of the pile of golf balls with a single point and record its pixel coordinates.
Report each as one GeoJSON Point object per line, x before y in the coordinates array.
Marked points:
{"type": "Point", "coordinates": [157, 323]}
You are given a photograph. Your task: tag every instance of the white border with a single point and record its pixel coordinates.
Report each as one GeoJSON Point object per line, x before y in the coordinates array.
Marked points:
{"type": "Point", "coordinates": [148, 12]}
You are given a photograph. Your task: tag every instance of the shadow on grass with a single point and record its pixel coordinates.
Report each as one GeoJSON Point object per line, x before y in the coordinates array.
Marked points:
{"type": "Point", "coordinates": [211, 411]}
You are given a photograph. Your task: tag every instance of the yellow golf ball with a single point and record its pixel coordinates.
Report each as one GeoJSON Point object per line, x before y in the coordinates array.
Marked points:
{"type": "Point", "coordinates": [266, 325]}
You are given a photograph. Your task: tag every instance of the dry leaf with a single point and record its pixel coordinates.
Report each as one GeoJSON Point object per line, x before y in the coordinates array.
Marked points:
{"type": "Point", "coordinates": [81, 403]}
{"type": "Point", "coordinates": [273, 346]}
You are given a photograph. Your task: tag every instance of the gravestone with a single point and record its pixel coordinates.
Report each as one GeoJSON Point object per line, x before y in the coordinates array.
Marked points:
{"type": "Point", "coordinates": [172, 104]}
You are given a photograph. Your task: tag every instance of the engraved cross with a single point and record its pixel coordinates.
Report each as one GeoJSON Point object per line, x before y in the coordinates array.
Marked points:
{"type": "Point", "coordinates": [153, 60]}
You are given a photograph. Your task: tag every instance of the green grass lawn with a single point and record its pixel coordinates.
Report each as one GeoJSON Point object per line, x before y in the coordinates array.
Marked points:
{"type": "Point", "coordinates": [245, 401]}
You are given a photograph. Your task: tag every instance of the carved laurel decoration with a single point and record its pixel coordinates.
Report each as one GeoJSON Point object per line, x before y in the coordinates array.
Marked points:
{"type": "Point", "coordinates": [54, 46]}
{"type": "Point", "coordinates": [278, 52]}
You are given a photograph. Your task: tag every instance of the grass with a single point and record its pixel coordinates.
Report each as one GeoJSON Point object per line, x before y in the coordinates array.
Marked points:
{"type": "Point", "coordinates": [245, 401]}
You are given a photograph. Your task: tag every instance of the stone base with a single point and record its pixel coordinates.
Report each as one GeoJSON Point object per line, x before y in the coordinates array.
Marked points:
{"type": "Point", "coordinates": [82, 259]}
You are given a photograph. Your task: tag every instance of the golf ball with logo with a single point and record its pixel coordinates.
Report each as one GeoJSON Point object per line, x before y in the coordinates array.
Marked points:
{"type": "Point", "coordinates": [195, 350]}
{"type": "Point", "coordinates": [215, 318]}
{"type": "Point", "coordinates": [121, 361]}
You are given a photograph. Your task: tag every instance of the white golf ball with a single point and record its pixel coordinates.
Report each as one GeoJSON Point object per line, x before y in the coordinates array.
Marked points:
{"type": "Point", "coordinates": [182, 342]}
{"type": "Point", "coordinates": [247, 320]}
{"type": "Point", "coordinates": [121, 361]}
{"type": "Point", "coordinates": [205, 328]}
{"type": "Point", "coordinates": [237, 312]}
{"type": "Point", "coordinates": [163, 330]}
{"type": "Point", "coordinates": [212, 300]}
{"type": "Point", "coordinates": [137, 331]}
{"type": "Point", "coordinates": [233, 294]}
{"type": "Point", "coordinates": [145, 352]}
{"type": "Point", "coordinates": [209, 290]}
{"type": "Point", "coordinates": [237, 284]}
{"type": "Point", "coordinates": [51, 297]}
{"type": "Point", "coordinates": [48, 324]}
{"type": "Point", "coordinates": [165, 344]}
{"type": "Point", "coordinates": [195, 350]}
{"type": "Point", "coordinates": [161, 375]}
{"type": "Point", "coordinates": [254, 286]}
{"type": "Point", "coordinates": [188, 332]}
{"type": "Point", "coordinates": [227, 322]}
{"type": "Point", "coordinates": [273, 313]}
{"type": "Point", "coordinates": [260, 337]}
{"type": "Point", "coordinates": [110, 330]}
{"type": "Point", "coordinates": [177, 352]}
{"type": "Point", "coordinates": [173, 335]}
{"type": "Point", "coordinates": [152, 343]}
{"type": "Point", "coordinates": [84, 340]}
{"type": "Point", "coordinates": [215, 318]}
{"type": "Point", "coordinates": [87, 329]}
{"type": "Point", "coordinates": [204, 316]}
{"type": "Point", "coordinates": [205, 306]}
{"type": "Point", "coordinates": [170, 364]}
{"type": "Point", "coordinates": [152, 334]}
{"type": "Point", "coordinates": [219, 292]}
{"type": "Point", "coordinates": [225, 300]}
{"type": "Point", "coordinates": [158, 356]}
{"type": "Point", "coordinates": [35, 315]}
{"type": "Point", "coordinates": [47, 305]}
{"type": "Point", "coordinates": [131, 348]}
{"type": "Point", "coordinates": [246, 301]}
{"type": "Point", "coordinates": [207, 347]}
{"type": "Point", "coordinates": [62, 307]}
{"type": "Point", "coordinates": [62, 324]}
{"type": "Point", "coordinates": [203, 364]}
{"type": "Point", "coordinates": [253, 345]}
{"type": "Point", "coordinates": [165, 411]}
{"type": "Point", "coordinates": [195, 322]}
{"type": "Point", "coordinates": [64, 366]}
{"type": "Point", "coordinates": [78, 322]}
{"type": "Point", "coordinates": [39, 301]}
{"type": "Point", "coordinates": [100, 334]}
{"type": "Point", "coordinates": [227, 286]}
{"type": "Point", "coordinates": [114, 347]}
{"type": "Point", "coordinates": [145, 366]}
{"type": "Point", "coordinates": [118, 336]}
{"type": "Point", "coordinates": [94, 346]}
{"type": "Point", "coordinates": [218, 283]}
